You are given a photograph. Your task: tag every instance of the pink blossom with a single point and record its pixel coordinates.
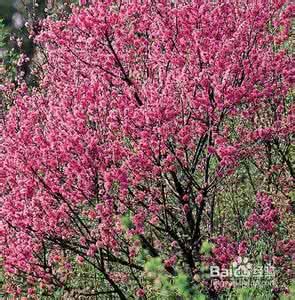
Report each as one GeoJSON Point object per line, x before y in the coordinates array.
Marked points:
{"type": "Point", "coordinates": [79, 259]}
{"type": "Point", "coordinates": [170, 262]}
{"type": "Point", "coordinates": [140, 293]}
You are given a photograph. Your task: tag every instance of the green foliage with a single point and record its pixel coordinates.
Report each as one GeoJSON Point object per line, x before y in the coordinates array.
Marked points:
{"type": "Point", "coordinates": [162, 286]}
{"type": "Point", "coordinates": [9, 56]}
{"type": "Point", "coordinates": [291, 294]}
{"type": "Point", "coordinates": [248, 294]}
{"type": "Point", "coordinates": [126, 221]}
{"type": "Point", "coordinates": [3, 34]}
{"type": "Point", "coordinates": [206, 247]}
{"type": "Point", "coordinates": [2, 279]}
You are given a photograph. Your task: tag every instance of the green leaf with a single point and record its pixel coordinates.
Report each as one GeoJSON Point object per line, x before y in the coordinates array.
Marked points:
{"type": "Point", "coordinates": [206, 247]}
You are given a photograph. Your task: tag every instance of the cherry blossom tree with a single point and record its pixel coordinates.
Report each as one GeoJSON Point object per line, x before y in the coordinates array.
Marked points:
{"type": "Point", "coordinates": [147, 114]}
